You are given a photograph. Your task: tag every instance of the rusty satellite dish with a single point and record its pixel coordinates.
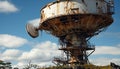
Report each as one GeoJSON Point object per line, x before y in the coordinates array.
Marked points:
{"type": "Point", "coordinates": [74, 22]}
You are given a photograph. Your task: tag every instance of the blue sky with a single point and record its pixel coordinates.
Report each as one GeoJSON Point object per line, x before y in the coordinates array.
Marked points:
{"type": "Point", "coordinates": [19, 48]}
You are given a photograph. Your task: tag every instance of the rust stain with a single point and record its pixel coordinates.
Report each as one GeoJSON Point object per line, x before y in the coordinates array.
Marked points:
{"type": "Point", "coordinates": [74, 10]}
{"type": "Point", "coordinates": [58, 8]}
{"type": "Point", "coordinates": [67, 9]}
{"type": "Point", "coordinates": [72, 59]}
{"type": "Point", "coordinates": [71, 6]}
{"type": "Point", "coordinates": [89, 21]}
{"type": "Point", "coordinates": [49, 6]}
{"type": "Point", "coordinates": [42, 15]}
{"type": "Point", "coordinates": [86, 22]}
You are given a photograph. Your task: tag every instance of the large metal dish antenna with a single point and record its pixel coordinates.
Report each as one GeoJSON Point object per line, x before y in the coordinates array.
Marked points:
{"type": "Point", "coordinates": [74, 22]}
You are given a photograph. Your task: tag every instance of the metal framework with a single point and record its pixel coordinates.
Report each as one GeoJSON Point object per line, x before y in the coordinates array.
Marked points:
{"type": "Point", "coordinates": [75, 42]}
{"type": "Point", "coordinates": [74, 26]}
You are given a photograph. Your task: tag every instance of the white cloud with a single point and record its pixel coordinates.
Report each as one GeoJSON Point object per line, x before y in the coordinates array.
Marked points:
{"type": "Point", "coordinates": [105, 61]}
{"type": "Point", "coordinates": [20, 65]}
{"type": "Point", "coordinates": [42, 53]}
{"type": "Point", "coordinates": [11, 41]}
{"type": "Point", "coordinates": [6, 7]}
{"type": "Point", "coordinates": [35, 22]}
{"type": "Point", "coordinates": [23, 64]}
{"type": "Point", "coordinates": [112, 50]}
{"type": "Point", "coordinates": [11, 52]}
{"type": "Point", "coordinates": [10, 55]}
{"type": "Point", "coordinates": [104, 55]}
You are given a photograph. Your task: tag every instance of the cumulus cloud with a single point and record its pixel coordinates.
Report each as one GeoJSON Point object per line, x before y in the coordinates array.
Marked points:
{"type": "Point", "coordinates": [11, 41]}
{"type": "Point", "coordinates": [35, 22]}
{"type": "Point", "coordinates": [41, 54]}
{"type": "Point", "coordinates": [6, 7]}
{"type": "Point", "coordinates": [10, 55]}
{"type": "Point", "coordinates": [112, 50]}
{"type": "Point", "coordinates": [104, 55]}
{"type": "Point", "coordinates": [43, 51]}
{"type": "Point", "coordinates": [102, 61]}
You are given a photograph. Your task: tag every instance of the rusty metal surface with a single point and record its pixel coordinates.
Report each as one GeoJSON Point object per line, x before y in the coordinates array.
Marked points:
{"type": "Point", "coordinates": [88, 23]}
{"type": "Point", "coordinates": [68, 7]}
{"type": "Point", "coordinates": [74, 22]}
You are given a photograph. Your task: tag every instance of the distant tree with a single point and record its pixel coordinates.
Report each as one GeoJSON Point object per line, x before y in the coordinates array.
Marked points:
{"type": "Point", "coordinates": [16, 68]}
{"type": "Point", "coordinates": [4, 65]}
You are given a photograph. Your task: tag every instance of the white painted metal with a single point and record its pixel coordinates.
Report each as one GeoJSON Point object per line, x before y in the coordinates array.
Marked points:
{"type": "Point", "coordinates": [67, 7]}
